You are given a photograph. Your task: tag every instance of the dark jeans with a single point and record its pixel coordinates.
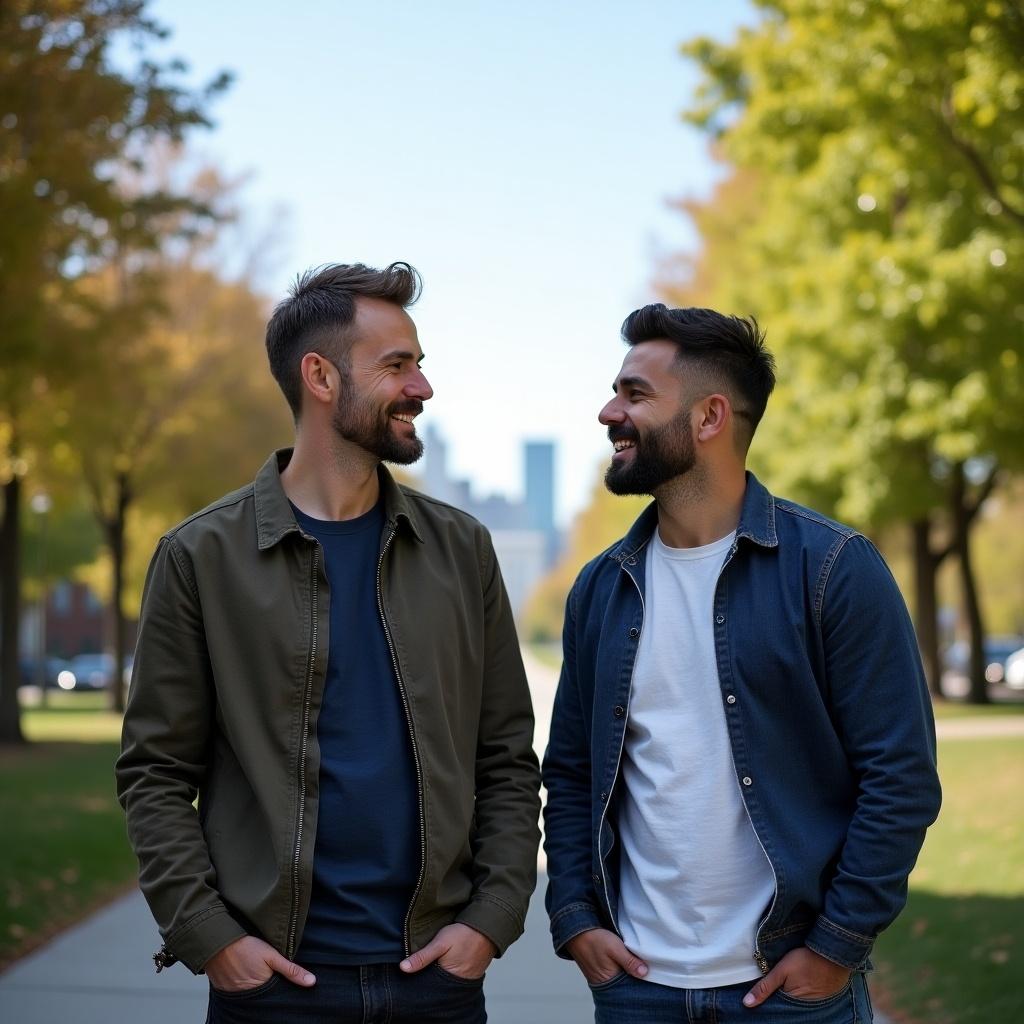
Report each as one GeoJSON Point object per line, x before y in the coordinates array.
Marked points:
{"type": "Point", "coordinates": [376, 994]}
{"type": "Point", "coordinates": [624, 1000]}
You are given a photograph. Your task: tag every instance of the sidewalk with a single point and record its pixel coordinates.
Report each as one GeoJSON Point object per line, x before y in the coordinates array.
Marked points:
{"type": "Point", "coordinates": [100, 972]}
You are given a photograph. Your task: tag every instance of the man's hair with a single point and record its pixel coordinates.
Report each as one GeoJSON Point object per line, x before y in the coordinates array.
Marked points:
{"type": "Point", "coordinates": [318, 314]}
{"type": "Point", "coordinates": [725, 353]}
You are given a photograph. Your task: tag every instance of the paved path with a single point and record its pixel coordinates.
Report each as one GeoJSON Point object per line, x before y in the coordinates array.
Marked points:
{"type": "Point", "coordinates": [100, 972]}
{"type": "Point", "coordinates": [979, 728]}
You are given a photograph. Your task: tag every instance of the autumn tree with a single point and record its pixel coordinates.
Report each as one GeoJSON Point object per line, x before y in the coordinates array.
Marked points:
{"type": "Point", "coordinates": [71, 117]}
{"type": "Point", "coordinates": [885, 256]}
{"type": "Point", "coordinates": [176, 404]}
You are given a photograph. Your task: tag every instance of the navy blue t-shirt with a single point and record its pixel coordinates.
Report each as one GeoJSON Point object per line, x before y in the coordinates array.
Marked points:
{"type": "Point", "coordinates": [367, 855]}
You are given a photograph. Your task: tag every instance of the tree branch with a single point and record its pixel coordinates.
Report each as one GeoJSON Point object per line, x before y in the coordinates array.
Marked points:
{"type": "Point", "coordinates": [947, 124]}
{"type": "Point", "coordinates": [984, 491]}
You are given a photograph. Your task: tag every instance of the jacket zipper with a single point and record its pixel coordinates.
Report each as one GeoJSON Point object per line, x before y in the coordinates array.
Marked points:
{"type": "Point", "coordinates": [759, 957]}
{"type": "Point", "coordinates": [302, 758]}
{"type": "Point", "coordinates": [618, 759]}
{"type": "Point", "coordinates": [412, 738]}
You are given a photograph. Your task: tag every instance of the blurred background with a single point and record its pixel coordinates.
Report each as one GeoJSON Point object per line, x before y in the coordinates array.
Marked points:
{"type": "Point", "coordinates": [851, 173]}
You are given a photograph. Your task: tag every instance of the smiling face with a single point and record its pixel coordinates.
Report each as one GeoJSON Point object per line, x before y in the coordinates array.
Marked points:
{"type": "Point", "coordinates": [382, 386]}
{"type": "Point", "coordinates": [648, 421]}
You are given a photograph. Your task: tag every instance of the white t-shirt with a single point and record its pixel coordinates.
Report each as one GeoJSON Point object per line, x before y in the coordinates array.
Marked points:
{"type": "Point", "coordinates": [694, 881]}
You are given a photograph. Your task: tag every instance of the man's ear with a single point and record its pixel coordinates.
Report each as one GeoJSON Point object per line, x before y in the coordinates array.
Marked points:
{"type": "Point", "coordinates": [319, 377]}
{"type": "Point", "coordinates": [713, 414]}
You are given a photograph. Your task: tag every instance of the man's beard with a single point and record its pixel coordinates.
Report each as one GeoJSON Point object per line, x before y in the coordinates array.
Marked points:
{"type": "Point", "coordinates": [358, 421]}
{"type": "Point", "coordinates": [661, 455]}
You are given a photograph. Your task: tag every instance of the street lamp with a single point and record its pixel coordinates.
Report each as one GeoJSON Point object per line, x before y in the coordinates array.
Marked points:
{"type": "Point", "coordinates": [41, 505]}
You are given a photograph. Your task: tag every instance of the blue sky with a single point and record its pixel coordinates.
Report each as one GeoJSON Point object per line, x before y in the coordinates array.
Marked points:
{"type": "Point", "coordinates": [520, 155]}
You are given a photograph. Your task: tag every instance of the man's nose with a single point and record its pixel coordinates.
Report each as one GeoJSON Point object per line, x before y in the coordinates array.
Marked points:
{"type": "Point", "coordinates": [610, 414]}
{"type": "Point", "coordinates": [419, 387]}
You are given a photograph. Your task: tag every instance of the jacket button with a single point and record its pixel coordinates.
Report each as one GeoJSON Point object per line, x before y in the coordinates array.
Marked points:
{"type": "Point", "coordinates": [631, 560]}
{"type": "Point", "coordinates": [731, 699]}
{"type": "Point", "coordinates": [634, 633]}
{"type": "Point", "coordinates": [719, 619]}
{"type": "Point", "coordinates": [596, 879]}
{"type": "Point", "coordinates": [604, 796]}
{"type": "Point", "coordinates": [619, 710]}
{"type": "Point", "coordinates": [747, 780]}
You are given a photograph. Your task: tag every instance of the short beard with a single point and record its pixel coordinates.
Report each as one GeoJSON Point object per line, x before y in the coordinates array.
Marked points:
{"type": "Point", "coordinates": [357, 421]}
{"type": "Point", "coordinates": [662, 455]}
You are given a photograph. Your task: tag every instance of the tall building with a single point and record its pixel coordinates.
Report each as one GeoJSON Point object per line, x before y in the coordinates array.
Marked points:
{"type": "Point", "coordinates": [540, 495]}
{"type": "Point", "coordinates": [526, 540]}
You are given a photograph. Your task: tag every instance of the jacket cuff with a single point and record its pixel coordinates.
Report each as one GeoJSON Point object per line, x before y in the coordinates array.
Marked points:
{"type": "Point", "coordinates": [846, 948]}
{"type": "Point", "coordinates": [494, 918]}
{"type": "Point", "coordinates": [570, 921]}
{"type": "Point", "coordinates": [202, 937]}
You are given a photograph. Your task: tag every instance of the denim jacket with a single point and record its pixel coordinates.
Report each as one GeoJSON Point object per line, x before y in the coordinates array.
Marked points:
{"type": "Point", "coordinates": [828, 716]}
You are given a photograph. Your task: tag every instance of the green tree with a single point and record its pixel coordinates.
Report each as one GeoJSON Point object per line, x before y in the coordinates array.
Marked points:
{"type": "Point", "coordinates": [72, 118]}
{"type": "Point", "coordinates": [886, 257]}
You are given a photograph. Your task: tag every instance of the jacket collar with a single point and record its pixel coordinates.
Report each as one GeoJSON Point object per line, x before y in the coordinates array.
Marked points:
{"type": "Point", "coordinates": [274, 516]}
{"type": "Point", "coordinates": [757, 522]}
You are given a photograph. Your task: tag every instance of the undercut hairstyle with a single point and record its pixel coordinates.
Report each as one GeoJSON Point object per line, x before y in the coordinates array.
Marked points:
{"type": "Point", "coordinates": [318, 314]}
{"type": "Point", "coordinates": [722, 353]}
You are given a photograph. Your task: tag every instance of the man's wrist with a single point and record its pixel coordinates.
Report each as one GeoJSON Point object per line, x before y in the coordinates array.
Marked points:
{"type": "Point", "coordinates": [485, 940]}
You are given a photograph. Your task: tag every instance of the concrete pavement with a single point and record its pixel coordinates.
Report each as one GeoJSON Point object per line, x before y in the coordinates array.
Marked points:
{"type": "Point", "coordinates": [979, 728]}
{"type": "Point", "coordinates": [101, 972]}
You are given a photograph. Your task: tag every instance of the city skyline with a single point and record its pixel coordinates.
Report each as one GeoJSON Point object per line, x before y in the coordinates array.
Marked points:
{"type": "Point", "coordinates": [526, 539]}
{"type": "Point", "coordinates": [521, 156]}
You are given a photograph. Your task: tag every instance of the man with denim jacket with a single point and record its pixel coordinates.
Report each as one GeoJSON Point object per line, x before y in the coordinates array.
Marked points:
{"type": "Point", "coordinates": [741, 765]}
{"type": "Point", "coordinates": [329, 660]}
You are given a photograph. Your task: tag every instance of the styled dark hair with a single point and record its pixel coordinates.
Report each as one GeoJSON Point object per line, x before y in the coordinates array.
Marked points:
{"type": "Point", "coordinates": [319, 311]}
{"type": "Point", "coordinates": [726, 353]}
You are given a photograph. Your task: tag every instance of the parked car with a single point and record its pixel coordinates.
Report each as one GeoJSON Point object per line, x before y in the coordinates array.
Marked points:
{"type": "Point", "coordinates": [1015, 670]}
{"type": "Point", "coordinates": [28, 671]}
{"type": "Point", "coordinates": [92, 672]}
{"type": "Point", "coordinates": [997, 649]}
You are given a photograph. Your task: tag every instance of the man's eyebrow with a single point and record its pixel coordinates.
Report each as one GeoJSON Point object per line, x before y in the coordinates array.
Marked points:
{"type": "Point", "coordinates": [631, 382]}
{"type": "Point", "coordinates": [400, 355]}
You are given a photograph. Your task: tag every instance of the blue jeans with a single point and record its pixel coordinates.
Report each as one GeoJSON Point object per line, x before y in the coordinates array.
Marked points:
{"type": "Point", "coordinates": [375, 994]}
{"type": "Point", "coordinates": [624, 1000]}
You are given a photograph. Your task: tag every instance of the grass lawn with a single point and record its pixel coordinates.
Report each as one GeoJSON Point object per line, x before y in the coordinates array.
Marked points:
{"type": "Point", "coordinates": [960, 709]}
{"type": "Point", "coordinates": [64, 850]}
{"type": "Point", "coordinates": [955, 954]}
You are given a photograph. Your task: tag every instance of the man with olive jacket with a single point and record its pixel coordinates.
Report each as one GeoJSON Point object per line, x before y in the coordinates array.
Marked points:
{"type": "Point", "coordinates": [329, 660]}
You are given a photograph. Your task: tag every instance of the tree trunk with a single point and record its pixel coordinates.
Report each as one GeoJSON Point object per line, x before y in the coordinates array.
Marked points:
{"type": "Point", "coordinates": [962, 517]}
{"type": "Point", "coordinates": [10, 613]}
{"type": "Point", "coordinates": [926, 604]}
{"type": "Point", "coordinates": [118, 551]}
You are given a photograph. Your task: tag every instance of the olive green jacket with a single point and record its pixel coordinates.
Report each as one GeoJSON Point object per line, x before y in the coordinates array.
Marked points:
{"type": "Point", "coordinates": [226, 687]}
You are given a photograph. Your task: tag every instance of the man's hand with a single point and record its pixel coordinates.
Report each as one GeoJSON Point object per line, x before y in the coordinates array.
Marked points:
{"type": "Point", "coordinates": [250, 962]}
{"type": "Point", "coordinates": [459, 949]}
{"type": "Point", "coordinates": [801, 973]}
{"type": "Point", "coordinates": [600, 954]}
